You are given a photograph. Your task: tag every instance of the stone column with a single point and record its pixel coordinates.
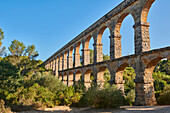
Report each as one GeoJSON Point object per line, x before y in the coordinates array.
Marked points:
{"type": "Point", "coordinates": [70, 79]}
{"type": "Point", "coordinates": [65, 80]}
{"type": "Point", "coordinates": [60, 77]}
{"type": "Point", "coordinates": [46, 66]}
{"type": "Point", "coordinates": [69, 60]}
{"type": "Point", "coordinates": [77, 77]}
{"type": "Point", "coordinates": [86, 56]}
{"type": "Point", "coordinates": [60, 62]}
{"type": "Point", "coordinates": [119, 82]}
{"type": "Point", "coordinates": [77, 59]}
{"type": "Point", "coordinates": [51, 64]}
{"type": "Point", "coordinates": [86, 79]}
{"type": "Point", "coordinates": [76, 56]}
{"type": "Point", "coordinates": [64, 61]}
{"type": "Point", "coordinates": [142, 38]}
{"type": "Point", "coordinates": [144, 90]}
{"type": "Point", "coordinates": [115, 46]}
{"type": "Point", "coordinates": [56, 67]}
{"type": "Point", "coordinates": [100, 79]}
{"type": "Point", "coordinates": [98, 53]}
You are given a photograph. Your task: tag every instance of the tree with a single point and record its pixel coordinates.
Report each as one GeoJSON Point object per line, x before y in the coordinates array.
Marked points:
{"type": "Point", "coordinates": [2, 50]}
{"type": "Point", "coordinates": [17, 48]}
{"type": "Point", "coordinates": [106, 57]}
{"type": "Point", "coordinates": [23, 57]}
{"type": "Point", "coordinates": [8, 76]}
{"type": "Point", "coordinates": [31, 52]}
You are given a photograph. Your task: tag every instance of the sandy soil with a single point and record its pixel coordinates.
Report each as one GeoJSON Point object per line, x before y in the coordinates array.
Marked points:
{"type": "Point", "coordinates": [123, 109]}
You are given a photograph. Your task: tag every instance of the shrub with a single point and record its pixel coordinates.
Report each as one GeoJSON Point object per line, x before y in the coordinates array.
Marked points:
{"type": "Point", "coordinates": [34, 95]}
{"type": "Point", "coordinates": [130, 98]}
{"type": "Point", "coordinates": [9, 77]}
{"type": "Point", "coordinates": [69, 96]}
{"type": "Point", "coordinates": [109, 97]}
{"type": "Point", "coordinates": [4, 109]}
{"type": "Point", "coordinates": [46, 79]}
{"type": "Point", "coordinates": [164, 98]}
{"type": "Point", "coordinates": [79, 87]}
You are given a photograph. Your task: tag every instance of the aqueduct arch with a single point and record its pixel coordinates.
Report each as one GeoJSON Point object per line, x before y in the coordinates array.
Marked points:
{"type": "Point", "coordinates": [100, 75]}
{"type": "Point", "coordinates": [78, 76]}
{"type": "Point", "coordinates": [86, 50]}
{"type": "Point", "coordinates": [87, 80]}
{"type": "Point", "coordinates": [70, 78]}
{"type": "Point", "coordinates": [142, 61]}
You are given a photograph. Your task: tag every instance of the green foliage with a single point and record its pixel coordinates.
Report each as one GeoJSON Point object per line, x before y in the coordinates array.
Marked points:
{"type": "Point", "coordinates": [46, 79]}
{"type": "Point", "coordinates": [33, 95]}
{"type": "Point", "coordinates": [69, 96]}
{"type": "Point", "coordinates": [130, 98]}
{"type": "Point", "coordinates": [31, 52]}
{"type": "Point", "coordinates": [161, 76]}
{"type": "Point", "coordinates": [106, 57]}
{"type": "Point", "coordinates": [109, 97]}
{"type": "Point", "coordinates": [164, 98]}
{"type": "Point", "coordinates": [107, 75]}
{"type": "Point", "coordinates": [163, 66]}
{"type": "Point", "coordinates": [129, 76]}
{"type": "Point", "coordinates": [2, 50]}
{"type": "Point", "coordinates": [9, 77]}
{"type": "Point", "coordinates": [17, 48]}
{"type": "Point", "coordinates": [79, 87]}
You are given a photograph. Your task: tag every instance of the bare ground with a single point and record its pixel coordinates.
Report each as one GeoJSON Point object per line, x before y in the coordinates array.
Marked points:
{"type": "Point", "coordinates": [123, 109]}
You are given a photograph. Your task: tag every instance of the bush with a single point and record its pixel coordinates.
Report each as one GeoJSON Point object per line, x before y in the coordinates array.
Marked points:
{"type": "Point", "coordinates": [9, 77]}
{"type": "Point", "coordinates": [109, 97]}
{"type": "Point", "coordinates": [34, 96]}
{"type": "Point", "coordinates": [130, 98]}
{"type": "Point", "coordinates": [46, 79]}
{"type": "Point", "coordinates": [164, 98]}
{"type": "Point", "coordinates": [69, 96]}
{"type": "Point", "coordinates": [4, 109]}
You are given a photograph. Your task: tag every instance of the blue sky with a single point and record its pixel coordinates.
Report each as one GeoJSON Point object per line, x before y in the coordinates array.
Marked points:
{"type": "Point", "coordinates": [50, 24]}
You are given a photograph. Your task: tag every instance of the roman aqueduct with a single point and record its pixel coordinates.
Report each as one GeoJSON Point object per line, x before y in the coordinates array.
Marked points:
{"type": "Point", "coordinates": [66, 64]}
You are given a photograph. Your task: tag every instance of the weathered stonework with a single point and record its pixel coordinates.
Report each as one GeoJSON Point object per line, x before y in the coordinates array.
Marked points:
{"type": "Point", "coordinates": [68, 69]}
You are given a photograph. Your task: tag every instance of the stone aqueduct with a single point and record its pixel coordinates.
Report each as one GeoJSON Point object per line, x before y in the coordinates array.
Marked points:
{"type": "Point", "coordinates": [143, 61]}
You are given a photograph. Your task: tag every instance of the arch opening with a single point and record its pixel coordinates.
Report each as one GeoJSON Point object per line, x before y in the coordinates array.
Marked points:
{"type": "Point", "coordinates": [88, 78]}
{"type": "Point", "coordinates": [56, 66]}
{"type": "Point", "coordinates": [61, 62]}
{"type": "Point", "coordinates": [89, 51]}
{"type": "Point", "coordinates": [103, 77]}
{"type": "Point", "coordinates": [157, 75]}
{"type": "Point", "coordinates": [103, 42]}
{"type": "Point", "coordinates": [65, 60]}
{"type": "Point", "coordinates": [65, 78]}
{"type": "Point", "coordinates": [157, 18]}
{"type": "Point", "coordinates": [78, 76]}
{"type": "Point", "coordinates": [78, 55]}
{"type": "Point", "coordinates": [145, 11]}
{"type": "Point", "coordinates": [60, 77]}
{"type": "Point", "coordinates": [70, 79]}
{"type": "Point", "coordinates": [124, 35]}
{"type": "Point", "coordinates": [70, 58]}
{"type": "Point", "coordinates": [124, 80]}
{"type": "Point", "coordinates": [106, 44]}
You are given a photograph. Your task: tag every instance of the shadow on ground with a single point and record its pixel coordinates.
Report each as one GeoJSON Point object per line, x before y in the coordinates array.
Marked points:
{"type": "Point", "coordinates": [123, 109]}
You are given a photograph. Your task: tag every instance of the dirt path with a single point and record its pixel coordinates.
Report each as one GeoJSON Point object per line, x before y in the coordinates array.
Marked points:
{"type": "Point", "coordinates": [123, 109]}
